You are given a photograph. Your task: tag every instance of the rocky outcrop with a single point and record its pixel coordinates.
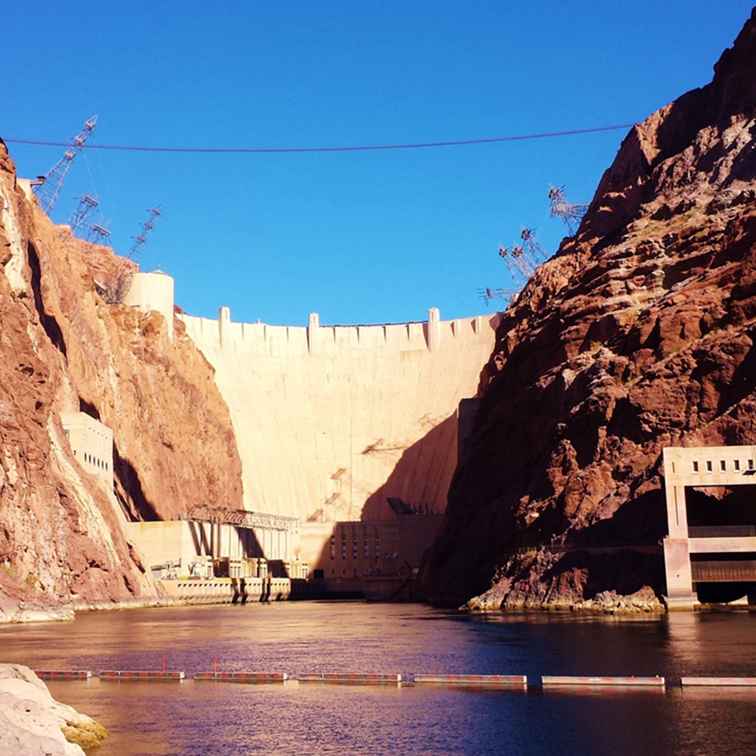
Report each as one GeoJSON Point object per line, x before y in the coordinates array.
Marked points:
{"type": "Point", "coordinates": [33, 722]}
{"type": "Point", "coordinates": [64, 349]}
{"type": "Point", "coordinates": [639, 333]}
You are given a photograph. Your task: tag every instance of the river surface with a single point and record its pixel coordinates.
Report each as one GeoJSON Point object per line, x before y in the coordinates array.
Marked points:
{"type": "Point", "coordinates": [223, 718]}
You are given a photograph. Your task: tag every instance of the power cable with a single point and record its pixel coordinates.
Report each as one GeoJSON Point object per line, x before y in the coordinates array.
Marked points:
{"type": "Point", "coordinates": [347, 148]}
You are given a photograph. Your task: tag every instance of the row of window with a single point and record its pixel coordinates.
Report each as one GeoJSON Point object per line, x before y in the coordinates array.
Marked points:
{"type": "Point", "coordinates": [335, 572]}
{"type": "Point", "coordinates": [354, 531]}
{"type": "Point", "coordinates": [722, 465]}
{"type": "Point", "coordinates": [90, 459]}
{"type": "Point", "coordinates": [377, 556]}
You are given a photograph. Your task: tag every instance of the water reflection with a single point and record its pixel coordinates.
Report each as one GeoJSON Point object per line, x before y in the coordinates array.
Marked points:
{"type": "Point", "coordinates": [203, 718]}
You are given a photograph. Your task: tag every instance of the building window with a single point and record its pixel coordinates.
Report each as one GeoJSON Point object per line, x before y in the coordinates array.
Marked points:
{"type": "Point", "coordinates": [709, 466]}
{"type": "Point", "coordinates": [695, 466]}
{"type": "Point", "coordinates": [737, 464]}
{"type": "Point", "coordinates": [722, 465]}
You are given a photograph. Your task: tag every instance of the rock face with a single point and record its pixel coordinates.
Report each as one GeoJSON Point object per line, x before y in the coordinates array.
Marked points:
{"type": "Point", "coordinates": [63, 349]}
{"type": "Point", "coordinates": [639, 333]}
{"type": "Point", "coordinates": [33, 722]}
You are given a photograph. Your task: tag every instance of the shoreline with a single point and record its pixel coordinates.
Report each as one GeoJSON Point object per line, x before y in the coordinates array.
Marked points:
{"type": "Point", "coordinates": [70, 612]}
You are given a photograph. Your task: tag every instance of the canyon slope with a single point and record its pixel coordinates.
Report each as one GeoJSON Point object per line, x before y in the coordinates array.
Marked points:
{"type": "Point", "coordinates": [64, 349]}
{"type": "Point", "coordinates": [639, 333]}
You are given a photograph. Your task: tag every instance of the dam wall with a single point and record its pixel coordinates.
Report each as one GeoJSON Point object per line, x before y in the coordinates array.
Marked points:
{"type": "Point", "coordinates": [330, 421]}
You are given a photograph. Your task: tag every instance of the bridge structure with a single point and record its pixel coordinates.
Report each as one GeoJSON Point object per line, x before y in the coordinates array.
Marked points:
{"type": "Point", "coordinates": [702, 554]}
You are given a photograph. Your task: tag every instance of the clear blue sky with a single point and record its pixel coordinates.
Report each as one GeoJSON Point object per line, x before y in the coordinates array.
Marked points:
{"type": "Point", "coordinates": [367, 237]}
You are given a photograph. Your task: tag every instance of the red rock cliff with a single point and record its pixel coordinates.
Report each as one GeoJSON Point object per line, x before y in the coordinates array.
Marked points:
{"type": "Point", "coordinates": [638, 334]}
{"type": "Point", "coordinates": [62, 349]}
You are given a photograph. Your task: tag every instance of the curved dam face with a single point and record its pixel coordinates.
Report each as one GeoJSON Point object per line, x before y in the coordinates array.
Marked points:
{"type": "Point", "coordinates": [331, 421]}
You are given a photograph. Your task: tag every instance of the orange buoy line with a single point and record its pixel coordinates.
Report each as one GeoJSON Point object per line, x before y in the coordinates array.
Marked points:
{"type": "Point", "coordinates": [63, 674]}
{"type": "Point", "coordinates": [151, 674]}
{"type": "Point", "coordinates": [246, 677]}
{"type": "Point", "coordinates": [473, 680]}
{"type": "Point", "coordinates": [354, 678]}
{"type": "Point", "coordinates": [718, 681]}
{"type": "Point", "coordinates": [618, 681]}
{"type": "Point", "coordinates": [369, 678]}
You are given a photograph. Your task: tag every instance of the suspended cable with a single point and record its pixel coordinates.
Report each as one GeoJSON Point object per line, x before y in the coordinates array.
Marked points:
{"type": "Point", "coordinates": [347, 148]}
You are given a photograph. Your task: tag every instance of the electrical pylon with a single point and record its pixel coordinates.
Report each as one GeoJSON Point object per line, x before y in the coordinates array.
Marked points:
{"type": "Point", "coordinates": [98, 234]}
{"type": "Point", "coordinates": [570, 212]}
{"type": "Point", "coordinates": [87, 203]}
{"type": "Point", "coordinates": [48, 191]}
{"type": "Point", "coordinates": [147, 226]}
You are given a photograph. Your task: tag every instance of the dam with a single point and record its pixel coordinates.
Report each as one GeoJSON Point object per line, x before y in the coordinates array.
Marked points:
{"type": "Point", "coordinates": [349, 437]}
{"type": "Point", "coordinates": [332, 420]}
{"type": "Point", "coordinates": [349, 431]}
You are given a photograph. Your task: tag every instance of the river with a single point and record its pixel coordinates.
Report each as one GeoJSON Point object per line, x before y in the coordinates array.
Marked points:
{"type": "Point", "coordinates": [298, 637]}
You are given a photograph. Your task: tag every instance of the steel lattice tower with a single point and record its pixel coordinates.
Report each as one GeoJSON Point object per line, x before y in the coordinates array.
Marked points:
{"type": "Point", "coordinates": [48, 192]}
{"type": "Point", "coordinates": [87, 203]}
{"type": "Point", "coordinates": [570, 212]}
{"type": "Point", "coordinates": [147, 226]}
{"type": "Point", "coordinates": [98, 234]}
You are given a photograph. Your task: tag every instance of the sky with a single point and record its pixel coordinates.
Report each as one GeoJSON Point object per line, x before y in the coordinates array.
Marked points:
{"type": "Point", "coordinates": [358, 237]}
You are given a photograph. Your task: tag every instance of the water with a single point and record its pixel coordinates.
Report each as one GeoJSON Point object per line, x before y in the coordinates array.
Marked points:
{"type": "Point", "coordinates": [221, 718]}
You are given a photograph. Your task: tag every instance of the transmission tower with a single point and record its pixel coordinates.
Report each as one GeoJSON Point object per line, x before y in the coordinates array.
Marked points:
{"type": "Point", "coordinates": [489, 295]}
{"type": "Point", "coordinates": [518, 264]}
{"type": "Point", "coordinates": [147, 226]}
{"type": "Point", "coordinates": [98, 234]}
{"type": "Point", "coordinates": [561, 207]}
{"type": "Point", "coordinates": [48, 191]}
{"type": "Point", "coordinates": [87, 203]}
{"type": "Point", "coordinates": [533, 249]}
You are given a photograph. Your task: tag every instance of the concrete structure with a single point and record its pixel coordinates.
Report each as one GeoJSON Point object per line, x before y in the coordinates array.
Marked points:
{"type": "Point", "coordinates": [357, 549]}
{"type": "Point", "coordinates": [187, 548]}
{"type": "Point", "coordinates": [152, 292]}
{"type": "Point", "coordinates": [728, 550]}
{"type": "Point", "coordinates": [332, 420]}
{"type": "Point", "coordinates": [25, 185]}
{"type": "Point", "coordinates": [92, 445]}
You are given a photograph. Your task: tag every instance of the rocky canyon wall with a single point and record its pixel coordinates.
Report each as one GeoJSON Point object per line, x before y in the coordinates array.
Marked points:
{"type": "Point", "coordinates": [639, 333]}
{"type": "Point", "coordinates": [64, 349]}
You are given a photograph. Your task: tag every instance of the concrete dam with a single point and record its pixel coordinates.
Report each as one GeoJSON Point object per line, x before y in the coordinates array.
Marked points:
{"type": "Point", "coordinates": [348, 437]}
{"type": "Point", "coordinates": [331, 421]}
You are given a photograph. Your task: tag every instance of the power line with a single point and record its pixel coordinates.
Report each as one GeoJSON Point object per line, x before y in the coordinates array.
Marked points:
{"type": "Point", "coordinates": [347, 148]}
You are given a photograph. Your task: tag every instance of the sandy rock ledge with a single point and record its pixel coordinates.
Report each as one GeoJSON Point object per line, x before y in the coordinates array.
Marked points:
{"type": "Point", "coordinates": [496, 599]}
{"type": "Point", "coordinates": [33, 722]}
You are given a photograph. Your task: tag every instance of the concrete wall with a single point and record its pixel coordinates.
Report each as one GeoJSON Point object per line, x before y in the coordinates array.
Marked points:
{"type": "Point", "coordinates": [161, 542]}
{"type": "Point", "coordinates": [92, 445]}
{"type": "Point", "coordinates": [363, 549]}
{"type": "Point", "coordinates": [152, 291]}
{"type": "Point", "coordinates": [703, 466]}
{"type": "Point", "coordinates": [330, 420]}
